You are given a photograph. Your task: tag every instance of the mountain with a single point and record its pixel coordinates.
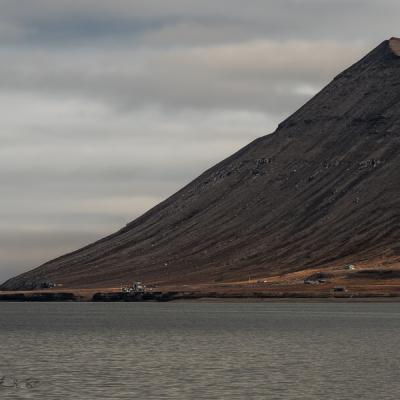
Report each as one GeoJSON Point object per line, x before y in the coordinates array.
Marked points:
{"type": "Point", "coordinates": [322, 190]}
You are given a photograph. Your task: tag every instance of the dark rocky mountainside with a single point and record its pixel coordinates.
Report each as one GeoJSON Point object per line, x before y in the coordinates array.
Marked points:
{"type": "Point", "coordinates": [323, 189]}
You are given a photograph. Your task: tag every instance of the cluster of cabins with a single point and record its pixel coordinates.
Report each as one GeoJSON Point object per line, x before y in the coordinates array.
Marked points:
{"type": "Point", "coordinates": [136, 287]}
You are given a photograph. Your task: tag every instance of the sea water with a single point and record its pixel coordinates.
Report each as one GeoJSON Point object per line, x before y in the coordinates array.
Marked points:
{"type": "Point", "coordinates": [200, 350]}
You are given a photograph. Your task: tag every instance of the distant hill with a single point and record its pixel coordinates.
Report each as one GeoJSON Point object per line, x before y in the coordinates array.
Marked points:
{"type": "Point", "coordinates": [323, 189]}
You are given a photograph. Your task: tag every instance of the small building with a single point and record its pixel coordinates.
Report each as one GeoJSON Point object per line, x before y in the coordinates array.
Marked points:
{"type": "Point", "coordinates": [138, 287]}
{"type": "Point", "coordinates": [349, 267]}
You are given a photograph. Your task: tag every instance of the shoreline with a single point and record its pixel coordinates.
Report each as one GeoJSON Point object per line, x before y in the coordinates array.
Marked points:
{"type": "Point", "coordinates": [103, 297]}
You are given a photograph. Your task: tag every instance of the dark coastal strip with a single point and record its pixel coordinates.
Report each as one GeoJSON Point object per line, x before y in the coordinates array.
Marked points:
{"type": "Point", "coordinates": [174, 296]}
{"type": "Point", "coordinates": [39, 297]}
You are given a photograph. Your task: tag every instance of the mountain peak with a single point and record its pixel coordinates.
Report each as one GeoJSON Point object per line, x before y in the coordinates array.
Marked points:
{"type": "Point", "coordinates": [394, 44]}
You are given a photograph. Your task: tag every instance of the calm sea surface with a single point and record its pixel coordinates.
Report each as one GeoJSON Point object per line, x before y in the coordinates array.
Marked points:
{"type": "Point", "coordinates": [200, 351]}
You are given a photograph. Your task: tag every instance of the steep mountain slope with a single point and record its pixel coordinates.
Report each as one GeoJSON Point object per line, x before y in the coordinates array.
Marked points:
{"type": "Point", "coordinates": [323, 189]}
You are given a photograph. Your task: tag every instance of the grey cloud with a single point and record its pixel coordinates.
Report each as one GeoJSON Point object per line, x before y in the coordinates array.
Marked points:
{"type": "Point", "coordinates": [260, 75]}
{"type": "Point", "coordinates": [88, 21]}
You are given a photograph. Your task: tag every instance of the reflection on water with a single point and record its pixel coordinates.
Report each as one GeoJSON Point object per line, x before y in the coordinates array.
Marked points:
{"type": "Point", "coordinates": [12, 382]}
{"type": "Point", "coordinates": [199, 351]}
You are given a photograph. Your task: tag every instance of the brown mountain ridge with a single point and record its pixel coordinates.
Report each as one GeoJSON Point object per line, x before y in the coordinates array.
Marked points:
{"type": "Point", "coordinates": [322, 190]}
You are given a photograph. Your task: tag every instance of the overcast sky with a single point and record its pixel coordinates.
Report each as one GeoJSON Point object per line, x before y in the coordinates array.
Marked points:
{"type": "Point", "coordinates": [108, 107]}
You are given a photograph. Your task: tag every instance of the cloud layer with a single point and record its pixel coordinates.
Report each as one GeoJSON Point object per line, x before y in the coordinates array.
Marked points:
{"type": "Point", "coordinates": [106, 108]}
